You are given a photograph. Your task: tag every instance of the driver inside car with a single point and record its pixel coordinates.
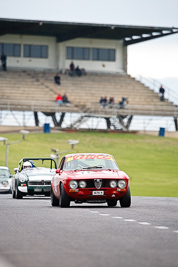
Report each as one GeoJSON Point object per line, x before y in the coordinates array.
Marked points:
{"type": "Point", "coordinates": [27, 165]}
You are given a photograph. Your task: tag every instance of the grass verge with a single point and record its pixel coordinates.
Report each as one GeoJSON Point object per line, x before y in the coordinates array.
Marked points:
{"type": "Point", "coordinates": [151, 162]}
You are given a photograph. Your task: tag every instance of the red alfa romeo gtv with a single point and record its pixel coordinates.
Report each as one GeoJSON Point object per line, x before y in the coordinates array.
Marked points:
{"type": "Point", "coordinates": [91, 178]}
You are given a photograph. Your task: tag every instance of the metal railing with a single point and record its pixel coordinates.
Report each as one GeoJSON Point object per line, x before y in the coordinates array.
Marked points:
{"type": "Point", "coordinates": [154, 85]}
{"type": "Point", "coordinates": [93, 109]}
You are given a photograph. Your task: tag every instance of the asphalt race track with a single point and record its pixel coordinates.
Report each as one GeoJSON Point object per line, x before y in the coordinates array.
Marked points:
{"type": "Point", "coordinates": [35, 234]}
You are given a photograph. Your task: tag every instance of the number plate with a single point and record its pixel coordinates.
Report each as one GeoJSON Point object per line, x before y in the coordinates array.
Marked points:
{"type": "Point", "coordinates": [97, 193]}
{"type": "Point", "coordinates": [37, 190]}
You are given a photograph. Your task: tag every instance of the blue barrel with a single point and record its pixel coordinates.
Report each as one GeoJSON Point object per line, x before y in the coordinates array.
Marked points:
{"type": "Point", "coordinates": [161, 131]}
{"type": "Point", "coordinates": [46, 128]}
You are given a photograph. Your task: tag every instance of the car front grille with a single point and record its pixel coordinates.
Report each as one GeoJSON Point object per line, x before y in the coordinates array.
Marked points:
{"type": "Point", "coordinates": [34, 183]}
{"type": "Point", "coordinates": [90, 183]}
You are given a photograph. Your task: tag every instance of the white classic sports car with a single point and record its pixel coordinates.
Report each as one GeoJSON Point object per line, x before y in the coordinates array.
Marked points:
{"type": "Point", "coordinates": [5, 179]}
{"type": "Point", "coordinates": [33, 177]}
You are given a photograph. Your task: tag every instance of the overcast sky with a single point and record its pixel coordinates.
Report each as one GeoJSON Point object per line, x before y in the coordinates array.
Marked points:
{"type": "Point", "coordinates": [156, 58]}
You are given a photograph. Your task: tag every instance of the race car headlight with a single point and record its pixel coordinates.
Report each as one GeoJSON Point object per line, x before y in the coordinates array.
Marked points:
{"type": "Point", "coordinates": [73, 184]}
{"type": "Point", "coordinates": [82, 184]}
{"type": "Point", "coordinates": [22, 178]}
{"type": "Point", "coordinates": [113, 184]}
{"type": "Point", "coordinates": [5, 182]}
{"type": "Point", "coordinates": [122, 184]}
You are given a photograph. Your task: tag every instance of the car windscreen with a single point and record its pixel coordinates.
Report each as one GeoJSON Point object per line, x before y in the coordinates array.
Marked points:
{"type": "Point", "coordinates": [87, 162]}
{"type": "Point", "coordinates": [35, 171]}
{"type": "Point", "coordinates": [38, 162]}
{"type": "Point", "coordinates": [4, 174]}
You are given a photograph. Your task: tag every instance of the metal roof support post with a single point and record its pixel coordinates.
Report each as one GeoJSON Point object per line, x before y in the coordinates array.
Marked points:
{"type": "Point", "coordinates": [176, 123]}
{"type": "Point", "coordinates": [61, 119]}
{"type": "Point", "coordinates": [108, 123]}
{"type": "Point", "coordinates": [36, 118]}
{"type": "Point", "coordinates": [23, 118]}
{"type": "Point", "coordinates": [129, 121]}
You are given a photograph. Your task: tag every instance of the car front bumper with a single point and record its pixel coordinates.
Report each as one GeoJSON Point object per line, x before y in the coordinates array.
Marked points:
{"type": "Point", "coordinates": [35, 189]}
{"type": "Point", "coordinates": [96, 194]}
{"type": "Point", "coordinates": [5, 188]}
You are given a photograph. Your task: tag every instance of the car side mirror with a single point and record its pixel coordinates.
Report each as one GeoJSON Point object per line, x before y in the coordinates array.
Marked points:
{"type": "Point", "coordinates": [16, 170]}
{"type": "Point", "coordinates": [58, 171]}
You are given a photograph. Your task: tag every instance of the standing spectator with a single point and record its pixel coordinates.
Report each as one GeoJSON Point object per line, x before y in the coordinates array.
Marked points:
{"type": "Point", "coordinates": [57, 79]}
{"type": "Point", "coordinates": [65, 100]}
{"type": "Point", "coordinates": [3, 61]}
{"type": "Point", "coordinates": [59, 100]}
{"type": "Point", "coordinates": [162, 91]}
{"type": "Point", "coordinates": [72, 69]}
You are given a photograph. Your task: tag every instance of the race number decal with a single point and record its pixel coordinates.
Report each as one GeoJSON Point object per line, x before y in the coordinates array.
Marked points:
{"type": "Point", "coordinates": [89, 157]}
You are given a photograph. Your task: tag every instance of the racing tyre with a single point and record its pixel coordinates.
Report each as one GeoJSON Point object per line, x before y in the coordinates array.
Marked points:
{"type": "Point", "coordinates": [18, 194]}
{"type": "Point", "coordinates": [64, 200]}
{"type": "Point", "coordinates": [112, 203]}
{"type": "Point", "coordinates": [125, 201]}
{"type": "Point", "coordinates": [54, 200]}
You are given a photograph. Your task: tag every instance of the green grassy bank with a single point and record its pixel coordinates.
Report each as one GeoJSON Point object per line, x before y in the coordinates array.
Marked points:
{"type": "Point", "coordinates": [151, 162]}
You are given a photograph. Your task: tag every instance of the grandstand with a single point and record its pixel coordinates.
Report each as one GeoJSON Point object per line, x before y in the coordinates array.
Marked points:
{"type": "Point", "coordinates": [30, 90]}
{"type": "Point", "coordinates": [36, 50]}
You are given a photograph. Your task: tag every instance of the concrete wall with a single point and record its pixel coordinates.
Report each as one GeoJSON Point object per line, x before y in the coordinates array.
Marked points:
{"type": "Point", "coordinates": [31, 63]}
{"type": "Point", "coordinates": [57, 54]}
{"type": "Point", "coordinates": [90, 65]}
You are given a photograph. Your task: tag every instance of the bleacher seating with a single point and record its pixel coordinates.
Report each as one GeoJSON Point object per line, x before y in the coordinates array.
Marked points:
{"type": "Point", "coordinates": [24, 90]}
{"type": "Point", "coordinates": [89, 88]}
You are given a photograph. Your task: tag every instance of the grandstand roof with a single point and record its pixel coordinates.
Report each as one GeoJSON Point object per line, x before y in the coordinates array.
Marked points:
{"type": "Point", "coordinates": [64, 31]}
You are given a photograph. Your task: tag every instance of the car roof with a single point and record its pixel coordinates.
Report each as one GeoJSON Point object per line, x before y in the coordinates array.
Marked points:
{"type": "Point", "coordinates": [4, 168]}
{"type": "Point", "coordinates": [84, 154]}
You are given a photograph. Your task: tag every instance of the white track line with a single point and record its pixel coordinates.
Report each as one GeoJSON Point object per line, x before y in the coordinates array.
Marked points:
{"type": "Point", "coordinates": [144, 223]}
{"type": "Point", "coordinates": [132, 220]}
{"type": "Point", "coordinates": [161, 227]}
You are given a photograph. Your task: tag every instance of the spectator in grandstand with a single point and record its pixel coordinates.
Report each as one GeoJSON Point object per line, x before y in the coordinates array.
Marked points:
{"type": "Point", "coordinates": [123, 102]}
{"type": "Point", "coordinates": [101, 102]}
{"type": "Point", "coordinates": [161, 91]}
{"type": "Point", "coordinates": [72, 69]}
{"type": "Point", "coordinates": [84, 71]}
{"type": "Point", "coordinates": [105, 102]}
{"type": "Point", "coordinates": [57, 79]}
{"type": "Point", "coordinates": [65, 100]}
{"type": "Point", "coordinates": [3, 61]}
{"type": "Point", "coordinates": [59, 100]}
{"type": "Point", "coordinates": [78, 71]}
{"type": "Point", "coordinates": [111, 102]}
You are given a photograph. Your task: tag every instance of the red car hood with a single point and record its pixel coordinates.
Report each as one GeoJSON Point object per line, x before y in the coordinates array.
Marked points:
{"type": "Point", "coordinates": [96, 174]}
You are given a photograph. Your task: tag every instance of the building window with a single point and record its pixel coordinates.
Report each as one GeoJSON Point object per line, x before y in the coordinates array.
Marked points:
{"type": "Point", "coordinates": [10, 50]}
{"type": "Point", "coordinates": [80, 53]}
{"type": "Point", "coordinates": [103, 54]}
{"type": "Point", "coordinates": [35, 51]}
